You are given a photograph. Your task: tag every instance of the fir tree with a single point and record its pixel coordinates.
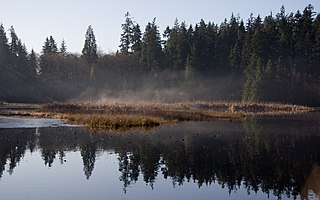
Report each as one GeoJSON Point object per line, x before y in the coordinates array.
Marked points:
{"type": "Point", "coordinates": [89, 51]}
{"type": "Point", "coordinates": [171, 44]}
{"type": "Point", "coordinates": [189, 71]}
{"type": "Point", "coordinates": [14, 42]}
{"type": "Point", "coordinates": [136, 40]}
{"type": "Point", "coordinates": [33, 62]}
{"type": "Point", "coordinates": [253, 77]}
{"type": "Point", "coordinates": [53, 45]}
{"type": "Point", "coordinates": [4, 47]}
{"type": "Point", "coordinates": [63, 48]}
{"type": "Point", "coordinates": [316, 46]}
{"type": "Point", "coordinates": [127, 35]}
{"type": "Point", "coordinates": [50, 46]}
{"type": "Point", "coordinates": [151, 53]}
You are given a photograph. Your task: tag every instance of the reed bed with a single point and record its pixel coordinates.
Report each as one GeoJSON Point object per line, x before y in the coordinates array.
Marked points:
{"type": "Point", "coordinates": [128, 115]}
{"type": "Point", "coordinates": [114, 122]}
{"type": "Point", "coordinates": [123, 115]}
{"type": "Point", "coordinates": [145, 107]}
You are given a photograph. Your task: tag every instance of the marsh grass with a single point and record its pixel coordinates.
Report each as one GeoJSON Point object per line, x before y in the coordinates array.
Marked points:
{"type": "Point", "coordinates": [114, 122]}
{"type": "Point", "coordinates": [126, 115]}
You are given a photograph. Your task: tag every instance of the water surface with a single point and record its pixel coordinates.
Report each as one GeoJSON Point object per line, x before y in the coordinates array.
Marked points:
{"type": "Point", "coordinates": [19, 122]}
{"type": "Point", "coordinates": [256, 158]}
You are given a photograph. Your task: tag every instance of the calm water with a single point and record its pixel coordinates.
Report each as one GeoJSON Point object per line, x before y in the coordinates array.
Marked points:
{"type": "Point", "coordinates": [11, 122]}
{"type": "Point", "coordinates": [257, 158]}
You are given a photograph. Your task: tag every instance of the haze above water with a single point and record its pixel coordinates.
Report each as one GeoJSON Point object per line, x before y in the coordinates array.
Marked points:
{"type": "Point", "coordinates": [257, 158]}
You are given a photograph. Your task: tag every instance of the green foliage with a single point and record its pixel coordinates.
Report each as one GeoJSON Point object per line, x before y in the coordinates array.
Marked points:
{"type": "Point", "coordinates": [177, 46]}
{"type": "Point", "coordinates": [189, 71]}
{"type": "Point", "coordinates": [276, 58]}
{"type": "Point", "coordinates": [14, 46]}
{"type": "Point", "coordinates": [33, 61]}
{"type": "Point", "coordinates": [151, 52]}
{"type": "Point", "coordinates": [4, 47]}
{"type": "Point", "coordinates": [89, 51]}
{"type": "Point", "coordinates": [130, 39]}
{"type": "Point", "coordinates": [63, 48]}
{"type": "Point", "coordinates": [136, 40]}
{"type": "Point", "coordinates": [50, 46]}
{"type": "Point", "coordinates": [316, 46]}
{"type": "Point", "coordinates": [127, 34]}
{"type": "Point", "coordinates": [17, 76]}
{"type": "Point", "coordinates": [253, 77]}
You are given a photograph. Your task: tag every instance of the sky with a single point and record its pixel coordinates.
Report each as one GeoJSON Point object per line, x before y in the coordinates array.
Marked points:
{"type": "Point", "coordinates": [34, 20]}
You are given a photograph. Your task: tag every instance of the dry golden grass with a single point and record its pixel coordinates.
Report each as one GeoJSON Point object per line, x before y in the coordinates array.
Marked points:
{"type": "Point", "coordinates": [138, 114]}
{"type": "Point", "coordinates": [114, 122]}
{"type": "Point", "coordinates": [150, 107]}
{"type": "Point", "coordinates": [124, 115]}
{"type": "Point", "coordinates": [97, 121]}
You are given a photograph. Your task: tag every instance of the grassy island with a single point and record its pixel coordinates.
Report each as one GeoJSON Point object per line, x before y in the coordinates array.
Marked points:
{"type": "Point", "coordinates": [124, 115]}
{"type": "Point", "coordinates": [115, 115]}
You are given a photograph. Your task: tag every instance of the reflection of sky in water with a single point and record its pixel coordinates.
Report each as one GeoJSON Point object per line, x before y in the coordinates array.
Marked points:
{"type": "Point", "coordinates": [6, 122]}
{"type": "Point", "coordinates": [263, 155]}
{"type": "Point", "coordinates": [33, 180]}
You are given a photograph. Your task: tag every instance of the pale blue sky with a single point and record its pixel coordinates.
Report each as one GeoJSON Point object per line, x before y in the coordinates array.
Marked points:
{"type": "Point", "coordinates": [34, 20]}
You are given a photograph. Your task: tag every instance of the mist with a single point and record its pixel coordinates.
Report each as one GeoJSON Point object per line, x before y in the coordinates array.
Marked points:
{"type": "Point", "coordinates": [147, 89]}
{"type": "Point", "coordinates": [258, 59]}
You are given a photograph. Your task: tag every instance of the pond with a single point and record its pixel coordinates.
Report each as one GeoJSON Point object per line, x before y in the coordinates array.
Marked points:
{"type": "Point", "coordinates": [256, 158]}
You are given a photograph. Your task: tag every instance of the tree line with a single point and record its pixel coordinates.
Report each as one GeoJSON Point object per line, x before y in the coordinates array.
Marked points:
{"type": "Point", "coordinates": [275, 58]}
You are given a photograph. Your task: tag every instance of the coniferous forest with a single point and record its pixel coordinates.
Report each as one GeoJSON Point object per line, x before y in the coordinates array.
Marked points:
{"type": "Point", "coordinates": [271, 58]}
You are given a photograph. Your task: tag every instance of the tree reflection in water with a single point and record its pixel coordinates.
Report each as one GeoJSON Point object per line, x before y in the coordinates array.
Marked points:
{"type": "Point", "coordinates": [88, 153]}
{"type": "Point", "coordinates": [267, 155]}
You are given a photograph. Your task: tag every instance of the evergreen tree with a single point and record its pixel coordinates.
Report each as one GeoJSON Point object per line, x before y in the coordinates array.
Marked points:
{"type": "Point", "coordinates": [285, 24]}
{"type": "Point", "coordinates": [50, 46]}
{"type": "Point", "coordinates": [211, 48]}
{"type": "Point", "coordinates": [89, 51]}
{"type": "Point", "coordinates": [271, 43]}
{"type": "Point", "coordinates": [184, 45]}
{"type": "Point", "coordinates": [236, 57]}
{"type": "Point", "coordinates": [4, 47]}
{"type": "Point", "coordinates": [253, 49]}
{"type": "Point", "coordinates": [253, 77]}
{"type": "Point", "coordinates": [14, 42]}
{"type": "Point", "coordinates": [257, 37]}
{"type": "Point", "coordinates": [229, 45]}
{"type": "Point", "coordinates": [171, 45]}
{"type": "Point", "coordinates": [203, 48]}
{"type": "Point", "coordinates": [46, 47]}
{"type": "Point", "coordinates": [63, 48]}
{"type": "Point", "coordinates": [316, 46]}
{"type": "Point", "coordinates": [22, 52]}
{"type": "Point", "coordinates": [223, 45]}
{"type": "Point", "coordinates": [33, 62]}
{"type": "Point", "coordinates": [275, 54]}
{"type": "Point", "coordinates": [19, 54]}
{"type": "Point", "coordinates": [151, 53]}
{"type": "Point", "coordinates": [177, 46]}
{"type": "Point", "coordinates": [127, 35]}
{"type": "Point", "coordinates": [189, 71]}
{"type": "Point", "coordinates": [136, 40]}
{"type": "Point", "coordinates": [303, 37]}
{"type": "Point", "coordinates": [53, 45]}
